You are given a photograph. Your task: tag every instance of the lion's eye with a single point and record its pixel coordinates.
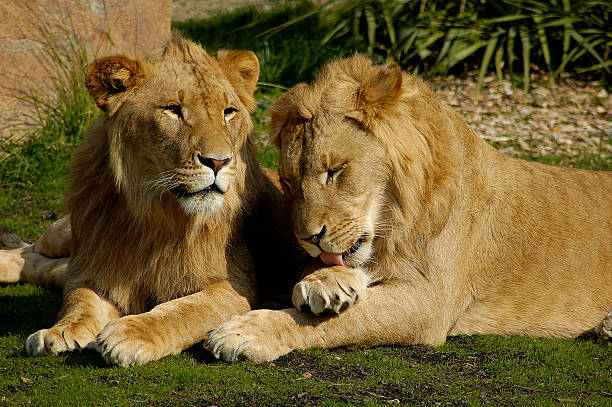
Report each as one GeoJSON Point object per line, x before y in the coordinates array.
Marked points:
{"type": "Point", "coordinates": [229, 113]}
{"type": "Point", "coordinates": [333, 173]}
{"type": "Point", "coordinates": [174, 111]}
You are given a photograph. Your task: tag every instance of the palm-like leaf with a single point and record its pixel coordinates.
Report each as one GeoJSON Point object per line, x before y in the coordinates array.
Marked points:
{"type": "Point", "coordinates": [437, 36]}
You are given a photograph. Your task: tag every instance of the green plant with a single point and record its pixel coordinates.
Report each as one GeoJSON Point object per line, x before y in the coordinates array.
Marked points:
{"type": "Point", "coordinates": [436, 36]}
{"type": "Point", "coordinates": [60, 104]}
{"type": "Point", "coordinates": [58, 111]}
{"type": "Point", "coordinates": [286, 59]}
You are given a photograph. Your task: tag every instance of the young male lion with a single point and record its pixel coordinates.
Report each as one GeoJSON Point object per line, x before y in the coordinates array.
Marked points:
{"type": "Point", "coordinates": [166, 199]}
{"type": "Point", "coordinates": [391, 188]}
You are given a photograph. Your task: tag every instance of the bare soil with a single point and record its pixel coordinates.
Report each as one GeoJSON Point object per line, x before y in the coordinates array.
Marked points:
{"type": "Point", "coordinates": [570, 118]}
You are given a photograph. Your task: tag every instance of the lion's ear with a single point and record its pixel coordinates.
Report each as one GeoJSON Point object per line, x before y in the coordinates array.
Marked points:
{"type": "Point", "coordinates": [110, 76]}
{"type": "Point", "coordinates": [293, 103]}
{"type": "Point", "coordinates": [378, 92]}
{"type": "Point", "coordinates": [279, 114]}
{"type": "Point", "coordinates": [242, 70]}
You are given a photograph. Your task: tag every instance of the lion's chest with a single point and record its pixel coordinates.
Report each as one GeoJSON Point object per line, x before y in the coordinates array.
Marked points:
{"type": "Point", "coordinates": [155, 277]}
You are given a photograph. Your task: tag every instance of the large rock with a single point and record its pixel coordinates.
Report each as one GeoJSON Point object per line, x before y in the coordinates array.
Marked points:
{"type": "Point", "coordinates": [33, 32]}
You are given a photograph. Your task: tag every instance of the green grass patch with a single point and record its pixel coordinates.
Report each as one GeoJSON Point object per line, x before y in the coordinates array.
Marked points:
{"type": "Point", "coordinates": [584, 161]}
{"type": "Point", "coordinates": [291, 56]}
{"type": "Point", "coordinates": [32, 184]}
{"type": "Point", "coordinates": [467, 370]}
{"type": "Point", "coordinates": [576, 159]}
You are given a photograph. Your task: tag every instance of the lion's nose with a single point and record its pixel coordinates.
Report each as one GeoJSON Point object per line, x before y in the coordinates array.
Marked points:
{"type": "Point", "coordinates": [316, 238]}
{"type": "Point", "coordinates": [214, 164]}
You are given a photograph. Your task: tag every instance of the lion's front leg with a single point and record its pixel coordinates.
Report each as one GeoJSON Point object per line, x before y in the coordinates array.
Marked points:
{"type": "Point", "coordinates": [260, 335]}
{"type": "Point", "coordinates": [83, 315]}
{"type": "Point", "coordinates": [331, 288]}
{"type": "Point", "coordinates": [169, 328]}
{"type": "Point", "coordinates": [389, 313]}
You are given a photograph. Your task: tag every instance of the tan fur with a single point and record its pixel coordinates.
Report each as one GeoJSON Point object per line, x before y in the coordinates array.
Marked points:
{"type": "Point", "coordinates": [457, 238]}
{"type": "Point", "coordinates": [330, 288]}
{"type": "Point", "coordinates": [155, 264]}
{"type": "Point", "coordinates": [44, 262]}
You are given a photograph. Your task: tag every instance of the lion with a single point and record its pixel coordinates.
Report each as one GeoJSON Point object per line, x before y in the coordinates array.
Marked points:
{"type": "Point", "coordinates": [170, 212]}
{"type": "Point", "coordinates": [421, 229]}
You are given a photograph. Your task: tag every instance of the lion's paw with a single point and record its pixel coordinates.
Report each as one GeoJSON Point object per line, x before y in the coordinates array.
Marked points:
{"type": "Point", "coordinates": [247, 337]}
{"type": "Point", "coordinates": [11, 264]}
{"type": "Point", "coordinates": [603, 330]}
{"type": "Point", "coordinates": [60, 339]}
{"type": "Point", "coordinates": [333, 288]}
{"type": "Point", "coordinates": [126, 342]}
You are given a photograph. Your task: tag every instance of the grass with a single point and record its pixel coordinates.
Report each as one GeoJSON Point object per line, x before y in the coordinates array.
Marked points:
{"type": "Point", "coordinates": [32, 171]}
{"type": "Point", "coordinates": [586, 161]}
{"type": "Point", "coordinates": [467, 370]}
{"type": "Point", "coordinates": [287, 58]}
{"type": "Point", "coordinates": [32, 182]}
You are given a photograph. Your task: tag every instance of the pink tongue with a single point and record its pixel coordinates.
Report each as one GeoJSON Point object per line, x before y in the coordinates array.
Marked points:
{"type": "Point", "coordinates": [332, 259]}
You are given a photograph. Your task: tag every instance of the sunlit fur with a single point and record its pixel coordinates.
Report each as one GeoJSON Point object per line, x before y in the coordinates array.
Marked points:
{"type": "Point", "coordinates": [117, 189]}
{"type": "Point", "coordinates": [464, 240]}
{"type": "Point", "coordinates": [178, 261]}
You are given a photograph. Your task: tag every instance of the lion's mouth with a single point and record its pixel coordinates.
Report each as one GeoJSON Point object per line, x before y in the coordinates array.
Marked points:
{"type": "Point", "coordinates": [355, 247]}
{"type": "Point", "coordinates": [180, 192]}
{"type": "Point", "coordinates": [337, 259]}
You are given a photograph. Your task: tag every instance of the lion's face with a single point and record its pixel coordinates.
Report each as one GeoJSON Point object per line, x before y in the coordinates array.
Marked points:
{"type": "Point", "coordinates": [333, 171]}
{"type": "Point", "coordinates": [187, 135]}
{"type": "Point", "coordinates": [334, 167]}
{"type": "Point", "coordinates": [178, 129]}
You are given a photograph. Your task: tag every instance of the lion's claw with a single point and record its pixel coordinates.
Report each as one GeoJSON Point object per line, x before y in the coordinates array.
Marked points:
{"type": "Point", "coordinates": [122, 342]}
{"type": "Point", "coordinates": [54, 341]}
{"type": "Point", "coordinates": [247, 336]}
{"type": "Point", "coordinates": [334, 289]}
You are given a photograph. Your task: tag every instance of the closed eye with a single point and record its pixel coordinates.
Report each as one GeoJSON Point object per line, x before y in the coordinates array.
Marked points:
{"type": "Point", "coordinates": [173, 110]}
{"type": "Point", "coordinates": [229, 113]}
{"type": "Point", "coordinates": [332, 174]}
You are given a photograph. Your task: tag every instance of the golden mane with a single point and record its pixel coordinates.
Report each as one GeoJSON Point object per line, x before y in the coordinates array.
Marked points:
{"type": "Point", "coordinates": [418, 131]}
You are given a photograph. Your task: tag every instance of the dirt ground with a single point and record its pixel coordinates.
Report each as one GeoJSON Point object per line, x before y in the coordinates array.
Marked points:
{"type": "Point", "coordinates": [571, 118]}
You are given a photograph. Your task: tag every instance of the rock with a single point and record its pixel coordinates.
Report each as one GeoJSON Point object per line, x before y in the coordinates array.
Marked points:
{"type": "Point", "coordinates": [37, 30]}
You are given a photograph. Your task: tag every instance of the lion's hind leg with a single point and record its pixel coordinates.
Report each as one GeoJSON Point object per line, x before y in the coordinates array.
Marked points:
{"type": "Point", "coordinates": [11, 264]}
{"type": "Point", "coordinates": [21, 265]}
{"type": "Point", "coordinates": [44, 262]}
{"type": "Point", "coordinates": [56, 241]}
{"type": "Point", "coordinates": [83, 316]}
